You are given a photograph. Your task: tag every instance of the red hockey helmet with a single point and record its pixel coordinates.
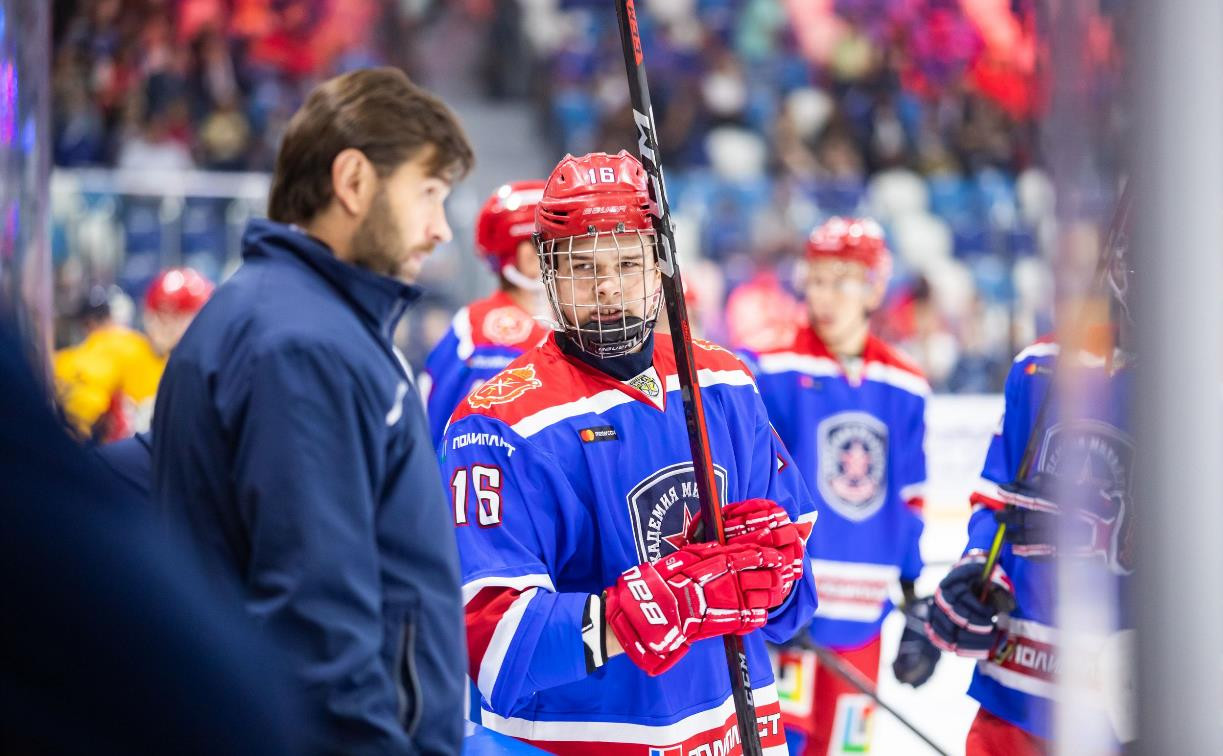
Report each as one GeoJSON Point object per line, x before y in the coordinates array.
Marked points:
{"type": "Point", "coordinates": [597, 252]}
{"type": "Point", "coordinates": [179, 291]}
{"type": "Point", "coordinates": [506, 220]}
{"type": "Point", "coordinates": [593, 193]}
{"type": "Point", "coordinates": [858, 240]}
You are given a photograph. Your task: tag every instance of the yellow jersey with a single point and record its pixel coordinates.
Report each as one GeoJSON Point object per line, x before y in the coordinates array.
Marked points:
{"type": "Point", "coordinates": [108, 382]}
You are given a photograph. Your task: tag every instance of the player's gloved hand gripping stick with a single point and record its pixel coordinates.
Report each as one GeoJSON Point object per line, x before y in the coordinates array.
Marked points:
{"type": "Point", "coordinates": [677, 316]}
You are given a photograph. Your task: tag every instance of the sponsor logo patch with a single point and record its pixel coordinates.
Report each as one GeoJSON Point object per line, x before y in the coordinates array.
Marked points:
{"type": "Point", "coordinates": [662, 506]}
{"type": "Point", "coordinates": [505, 387]}
{"type": "Point", "coordinates": [598, 433]}
{"type": "Point", "coordinates": [853, 458]}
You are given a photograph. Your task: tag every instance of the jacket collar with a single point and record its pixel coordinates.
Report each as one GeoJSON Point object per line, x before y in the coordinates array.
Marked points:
{"type": "Point", "coordinates": [380, 300]}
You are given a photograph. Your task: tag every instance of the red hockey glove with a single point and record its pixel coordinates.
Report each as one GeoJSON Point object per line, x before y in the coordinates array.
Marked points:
{"type": "Point", "coordinates": [765, 523]}
{"type": "Point", "coordinates": [701, 591]}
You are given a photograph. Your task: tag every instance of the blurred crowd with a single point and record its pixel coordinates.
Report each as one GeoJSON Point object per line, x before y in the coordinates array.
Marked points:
{"type": "Point", "coordinates": [773, 115]}
{"type": "Point", "coordinates": [177, 84]}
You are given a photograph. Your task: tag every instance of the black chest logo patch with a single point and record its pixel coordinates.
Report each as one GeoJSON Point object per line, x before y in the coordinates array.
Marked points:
{"type": "Point", "coordinates": [853, 463]}
{"type": "Point", "coordinates": [1089, 452]}
{"type": "Point", "coordinates": [662, 506]}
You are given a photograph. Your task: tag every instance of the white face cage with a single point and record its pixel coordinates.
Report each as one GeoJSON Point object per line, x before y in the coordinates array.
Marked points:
{"type": "Point", "coordinates": [604, 289]}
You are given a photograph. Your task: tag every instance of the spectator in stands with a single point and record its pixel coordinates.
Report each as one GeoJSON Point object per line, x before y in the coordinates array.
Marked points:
{"type": "Point", "coordinates": [289, 440]}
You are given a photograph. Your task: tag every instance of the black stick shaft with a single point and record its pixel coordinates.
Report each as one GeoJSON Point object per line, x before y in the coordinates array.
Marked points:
{"type": "Point", "coordinates": [851, 675]}
{"type": "Point", "coordinates": [681, 340]}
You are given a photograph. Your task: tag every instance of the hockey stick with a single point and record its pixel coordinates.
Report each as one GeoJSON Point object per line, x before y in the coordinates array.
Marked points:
{"type": "Point", "coordinates": [854, 677]}
{"type": "Point", "coordinates": [681, 341]}
{"type": "Point", "coordinates": [1116, 227]}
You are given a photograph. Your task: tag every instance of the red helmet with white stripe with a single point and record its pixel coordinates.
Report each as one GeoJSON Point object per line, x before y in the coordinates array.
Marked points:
{"type": "Point", "coordinates": [858, 240]}
{"type": "Point", "coordinates": [597, 252]}
{"type": "Point", "coordinates": [506, 220]}
{"type": "Point", "coordinates": [179, 291]}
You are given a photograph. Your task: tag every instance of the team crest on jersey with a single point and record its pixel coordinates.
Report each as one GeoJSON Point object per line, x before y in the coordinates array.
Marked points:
{"type": "Point", "coordinates": [662, 506]}
{"type": "Point", "coordinates": [507, 325]}
{"type": "Point", "coordinates": [1089, 451]}
{"type": "Point", "coordinates": [505, 387]}
{"type": "Point", "coordinates": [646, 384]}
{"type": "Point", "coordinates": [853, 459]}
{"type": "Point", "coordinates": [1097, 455]}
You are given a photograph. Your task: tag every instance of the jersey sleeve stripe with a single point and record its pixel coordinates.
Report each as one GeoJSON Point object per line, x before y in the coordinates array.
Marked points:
{"type": "Point", "coordinates": [462, 330]}
{"type": "Point", "coordinates": [518, 583]}
{"type": "Point", "coordinates": [499, 644]}
{"type": "Point", "coordinates": [482, 615]}
{"type": "Point", "coordinates": [987, 494]}
{"type": "Point", "coordinates": [913, 491]}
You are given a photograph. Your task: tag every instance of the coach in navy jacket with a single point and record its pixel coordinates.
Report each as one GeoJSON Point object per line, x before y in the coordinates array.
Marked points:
{"type": "Point", "coordinates": [289, 439]}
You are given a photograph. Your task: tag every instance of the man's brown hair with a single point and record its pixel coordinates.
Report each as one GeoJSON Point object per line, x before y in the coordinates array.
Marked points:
{"type": "Point", "coordinates": [378, 111]}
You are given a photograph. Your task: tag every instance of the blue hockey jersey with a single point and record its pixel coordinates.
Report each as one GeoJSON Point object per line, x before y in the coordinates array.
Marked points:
{"type": "Point", "coordinates": [562, 477]}
{"type": "Point", "coordinates": [1019, 686]}
{"type": "Point", "coordinates": [483, 339]}
{"type": "Point", "coordinates": [858, 444]}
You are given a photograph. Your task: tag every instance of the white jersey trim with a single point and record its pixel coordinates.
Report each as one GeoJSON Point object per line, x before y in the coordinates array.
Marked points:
{"type": "Point", "coordinates": [988, 488]}
{"type": "Point", "coordinates": [1042, 349]}
{"type": "Point", "coordinates": [1039, 632]}
{"type": "Point", "coordinates": [913, 491]}
{"type": "Point", "coordinates": [821, 367]}
{"type": "Point", "coordinates": [706, 377]}
{"type": "Point", "coordinates": [853, 591]}
{"type": "Point", "coordinates": [605, 400]}
{"type": "Point", "coordinates": [516, 583]}
{"type": "Point", "coordinates": [499, 644]}
{"type": "Point", "coordinates": [600, 402]}
{"type": "Point", "coordinates": [1033, 686]}
{"type": "Point", "coordinates": [782, 362]}
{"type": "Point", "coordinates": [898, 377]}
{"type": "Point", "coordinates": [625, 732]}
{"type": "Point", "coordinates": [462, 329]}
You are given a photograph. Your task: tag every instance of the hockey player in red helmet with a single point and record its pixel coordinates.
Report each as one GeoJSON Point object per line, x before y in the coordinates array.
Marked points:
{"type": "Point", "coordinates": [487, 334]}
{"type": "Point", "coordinates": [851, 410]}
{"type": "Point", "coordinates": [170, 304]}
{"type": "Point", "coordinates": [107, 383]}
{"type": "Point", "coordinates": [593, 624]}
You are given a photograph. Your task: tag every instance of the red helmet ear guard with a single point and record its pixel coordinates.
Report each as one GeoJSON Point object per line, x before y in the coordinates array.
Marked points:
{"type": "Point", "coordinates": [592, 193]}
{"type": "Point", "coordinates": [858, 240]}
{"type": "Point", "coordinates": [506, 220]}
{"type": "Point", "coordinates": [178, 291]}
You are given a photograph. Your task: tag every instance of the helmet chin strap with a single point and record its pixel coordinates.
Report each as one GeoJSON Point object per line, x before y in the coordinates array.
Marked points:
{"type": "Point", "coordinates": [613, 342]}
{"type": "Point", "coordinates": [516, 277]}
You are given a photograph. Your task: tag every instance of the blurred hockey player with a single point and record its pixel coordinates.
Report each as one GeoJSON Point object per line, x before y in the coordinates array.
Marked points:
{"type": "Point", "coordinates": [488, 334]}
{"type": "Point", "coordinates": [593, 623]}
{"type": "Point", "coordinates": [851, 410]}
{"type": "Point", "coordinates": [1060, 481]}
{"type": "Point", "coordinates": [108, 382]}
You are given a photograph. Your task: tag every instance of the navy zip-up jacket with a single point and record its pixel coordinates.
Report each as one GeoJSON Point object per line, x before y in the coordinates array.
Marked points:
{"type": "Point", "coordinates": [291, 444]}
